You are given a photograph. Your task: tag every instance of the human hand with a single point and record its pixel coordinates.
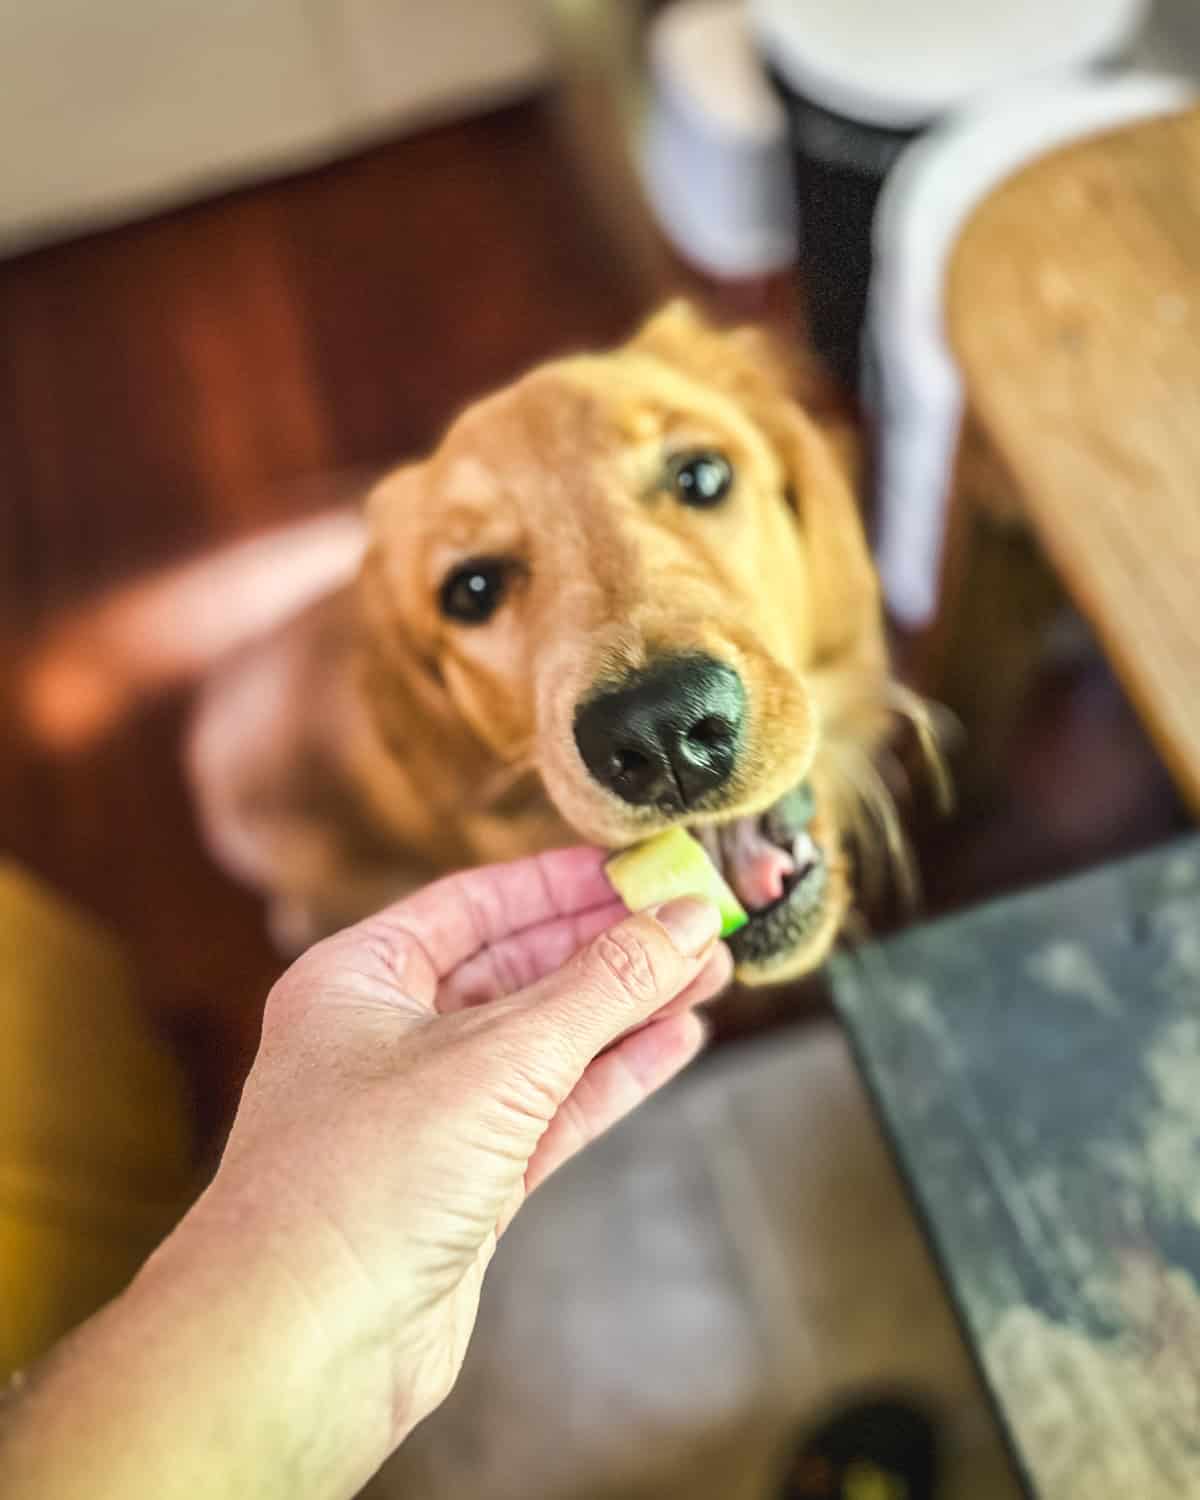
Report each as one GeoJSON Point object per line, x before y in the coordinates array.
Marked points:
{"type": "Point", "coordinates": [421, 1073]}
{"type": "Point", "coordinates": [418, 1076]}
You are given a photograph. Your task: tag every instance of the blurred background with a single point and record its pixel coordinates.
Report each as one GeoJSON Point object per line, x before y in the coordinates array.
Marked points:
{"type": "Point", "coordinates": [254, 253]}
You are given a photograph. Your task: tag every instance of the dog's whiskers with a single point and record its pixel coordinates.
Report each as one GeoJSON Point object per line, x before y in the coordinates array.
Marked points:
{"type": "Point", "coordinates": [875, 825]}
{"type": "Point", "coordinates": [868, 785]}
{"type": "Point", "coordinates": [895, 774]}
{"type": "Point", "coordinates": [936, 729]}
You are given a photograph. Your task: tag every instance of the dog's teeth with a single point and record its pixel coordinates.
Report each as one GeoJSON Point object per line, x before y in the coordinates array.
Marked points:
{"type": "Point", "coordinates": [804, 851]}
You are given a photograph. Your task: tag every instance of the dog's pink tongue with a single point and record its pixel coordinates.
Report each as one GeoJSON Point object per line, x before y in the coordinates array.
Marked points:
{"type": "Point", "coordinates": [755, 867]}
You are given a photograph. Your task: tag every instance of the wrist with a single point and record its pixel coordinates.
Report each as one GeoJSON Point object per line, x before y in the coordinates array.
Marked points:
{"type": "Point", "coordinates": [224, 1369]}
{"type": "Point", "coordinates": [278, 1311]}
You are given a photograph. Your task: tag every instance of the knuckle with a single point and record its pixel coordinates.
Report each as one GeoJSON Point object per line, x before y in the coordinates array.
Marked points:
{"type": "Point", "coordinates": [385, 950]}
{"type": "Point", "coordinates": [391, 947]}
{"type": "Point", "coordinates": [624, 959]}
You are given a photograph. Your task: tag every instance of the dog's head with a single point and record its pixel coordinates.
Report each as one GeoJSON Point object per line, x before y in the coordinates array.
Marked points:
{"type": "Point", "coordinates": [642, 576]}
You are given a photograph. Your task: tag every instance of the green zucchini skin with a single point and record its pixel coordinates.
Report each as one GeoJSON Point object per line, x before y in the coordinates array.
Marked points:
{"type": "Point", "coordinates": [669, 865]}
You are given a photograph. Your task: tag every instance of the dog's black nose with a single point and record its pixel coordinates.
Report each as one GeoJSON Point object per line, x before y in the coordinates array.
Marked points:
{"type": "Point", "coordinates": [667, 735]}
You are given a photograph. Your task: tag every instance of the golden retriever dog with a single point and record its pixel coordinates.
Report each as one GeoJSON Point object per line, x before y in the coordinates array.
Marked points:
{"type": "Point", "coordinates": [628, 592]}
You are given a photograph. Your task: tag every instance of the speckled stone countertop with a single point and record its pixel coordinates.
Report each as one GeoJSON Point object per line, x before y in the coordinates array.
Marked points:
{"type": "Point", "coordinates": [1036, 1064]}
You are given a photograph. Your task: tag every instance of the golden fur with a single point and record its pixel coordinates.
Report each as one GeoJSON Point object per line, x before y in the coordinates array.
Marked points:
{"type": "Point", "coordinates": [370, 743]}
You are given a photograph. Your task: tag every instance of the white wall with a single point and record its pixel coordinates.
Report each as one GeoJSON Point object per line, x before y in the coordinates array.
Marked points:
{"type": "Point", "coordinates": [112, 107]}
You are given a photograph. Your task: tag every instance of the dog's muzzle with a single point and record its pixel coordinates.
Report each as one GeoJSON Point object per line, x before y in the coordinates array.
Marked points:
{"type": "Point", "coordinates": [668, 738]}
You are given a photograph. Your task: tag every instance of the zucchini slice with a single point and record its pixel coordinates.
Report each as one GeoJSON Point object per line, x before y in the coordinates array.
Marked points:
{"type": "Point", "coordinates": [673, 864]}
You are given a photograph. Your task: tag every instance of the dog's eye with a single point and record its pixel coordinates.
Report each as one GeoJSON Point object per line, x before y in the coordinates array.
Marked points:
{"type": "Point", "coordinates": [474, 592]}
{"type": "Point", "coordinates": [701, 479]}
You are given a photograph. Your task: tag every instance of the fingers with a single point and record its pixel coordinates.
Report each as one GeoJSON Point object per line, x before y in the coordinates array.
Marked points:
{"type": "Point", "coordinates": [614, 1085]}
{"type": "Point", "coordinates": [711, 980]}
{"type": "Point", "coordinates": [622, 978]}
{"type": "Point", "coordinates": [448, 923]}
{"type": "Point", "coordinates": [521, 960]}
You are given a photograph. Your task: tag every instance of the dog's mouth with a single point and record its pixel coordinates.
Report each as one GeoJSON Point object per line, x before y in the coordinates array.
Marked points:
{"type": "Point", "coordinates": [777, 870]}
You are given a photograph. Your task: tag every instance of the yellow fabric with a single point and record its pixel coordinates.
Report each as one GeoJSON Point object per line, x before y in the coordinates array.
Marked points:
{"type": "Point", "coordinates": [95, 1140]}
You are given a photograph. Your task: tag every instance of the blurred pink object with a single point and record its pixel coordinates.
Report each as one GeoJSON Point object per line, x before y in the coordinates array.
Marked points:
{"type": "Point", "coordinates": [142, 637]}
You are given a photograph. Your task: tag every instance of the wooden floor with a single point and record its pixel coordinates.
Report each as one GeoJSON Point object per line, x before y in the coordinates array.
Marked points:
{"type": "Point", "coordinates": [194, 377]}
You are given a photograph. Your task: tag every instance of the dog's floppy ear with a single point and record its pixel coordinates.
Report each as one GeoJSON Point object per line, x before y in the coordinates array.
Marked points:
{"type": "Point", "coordinates": [403, 686]}
{"type": "Point", "coordinates": [847, 612]}
{"type": "Point", "coordinates": [777, 391]}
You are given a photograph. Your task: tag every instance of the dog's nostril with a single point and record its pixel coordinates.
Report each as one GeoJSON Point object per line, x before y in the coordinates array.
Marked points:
{"type": "Point", "coordinates": [626, 761]}
{"type": "Point", "coordinates": [711, 732]}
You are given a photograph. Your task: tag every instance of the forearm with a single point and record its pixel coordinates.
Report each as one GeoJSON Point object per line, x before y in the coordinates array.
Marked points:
{"type": "Point", "coordinates": [318, 1300]}
{"type": "Point", "coordinates": [214, 1374]}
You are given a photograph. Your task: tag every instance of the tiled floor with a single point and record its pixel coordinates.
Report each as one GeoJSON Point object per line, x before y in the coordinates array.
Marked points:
{"type": "Point", "coordinates": [661, 1318]}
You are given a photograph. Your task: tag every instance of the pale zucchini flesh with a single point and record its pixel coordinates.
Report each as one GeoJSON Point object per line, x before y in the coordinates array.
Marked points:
{"type": "Point", "coordinates": [670, 865]}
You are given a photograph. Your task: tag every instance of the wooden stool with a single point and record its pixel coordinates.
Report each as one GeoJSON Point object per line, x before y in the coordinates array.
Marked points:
{"type": "Point", "coordinates": [1074, 312]}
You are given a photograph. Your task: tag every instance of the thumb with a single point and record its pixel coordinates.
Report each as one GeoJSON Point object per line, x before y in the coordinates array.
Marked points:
{"type": "Point", "coordinates": [618, 981]}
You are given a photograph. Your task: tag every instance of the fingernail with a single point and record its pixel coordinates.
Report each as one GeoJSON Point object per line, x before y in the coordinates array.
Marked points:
{"type": "Point", "coordinates": [691, 924]}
